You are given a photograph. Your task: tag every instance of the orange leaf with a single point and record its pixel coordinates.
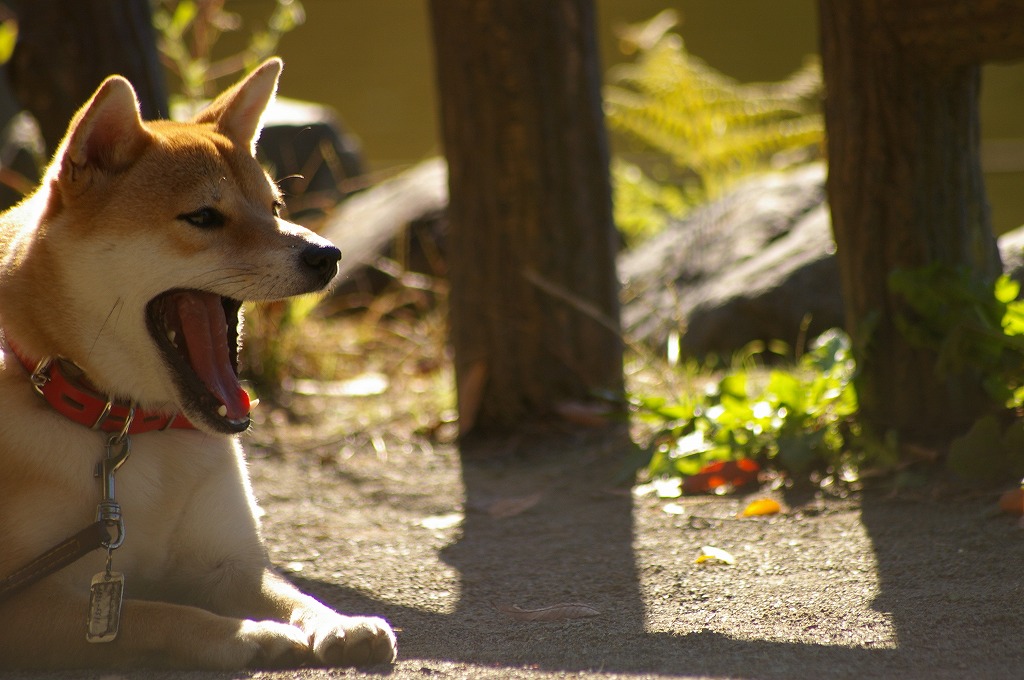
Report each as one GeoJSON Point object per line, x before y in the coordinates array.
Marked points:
{"type": "Point", "coordinates": [735, 473]}
{"type": "Point", "coordinates": [1012, 502]}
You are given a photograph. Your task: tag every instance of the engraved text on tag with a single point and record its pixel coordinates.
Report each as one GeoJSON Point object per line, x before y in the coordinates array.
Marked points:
{"type": "Point", "coordinates": [105, 597]}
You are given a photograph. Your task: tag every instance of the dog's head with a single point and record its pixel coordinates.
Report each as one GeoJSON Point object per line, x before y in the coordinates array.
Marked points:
{"type": "Point", "coordinates": [145, 239]}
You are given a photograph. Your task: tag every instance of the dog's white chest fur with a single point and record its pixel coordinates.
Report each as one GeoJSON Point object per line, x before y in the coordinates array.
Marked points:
{"type": "Point", "coordinates": [176, 489]}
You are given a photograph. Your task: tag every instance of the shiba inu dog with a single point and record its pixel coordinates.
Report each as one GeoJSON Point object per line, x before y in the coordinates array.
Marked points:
{"type": "Point", "coordinates": [121, 280]}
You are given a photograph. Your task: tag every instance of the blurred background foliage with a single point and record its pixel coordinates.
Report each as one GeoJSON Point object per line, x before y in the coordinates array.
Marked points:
{"type": "Point", "coordinates": [682, 133]}
{"type": "Point", "coordinates": [373, 62]}
{"type": "Point", "coordinates": [188, 31]}
{"type": "Point", "coordinates": [688, 132]}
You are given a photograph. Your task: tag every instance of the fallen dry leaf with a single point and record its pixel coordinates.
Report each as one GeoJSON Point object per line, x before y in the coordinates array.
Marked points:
{"type": "Point", "coordinates": [673, 509]}
{"type": "Point", "coordinates": [664, 487]}
{"type": "Point", "coordinates": [471, 395]}
{"type": "Point", "coordinates": [556, 612]}
{"type": "Point", "coordinates": [709, 553]}
{"type": "Point", "coordinates": [1012, 502]}
{"type": "Point", "coordinates": [585, 413]}
{"type": "Point", "coordinates": [446, 521]}
{"type": "Point", "coordinates": [722, 474]}
{"type": "Point", "coordinates": [762, 506]}
{"type": "Point", "coordinates": [510, 507]}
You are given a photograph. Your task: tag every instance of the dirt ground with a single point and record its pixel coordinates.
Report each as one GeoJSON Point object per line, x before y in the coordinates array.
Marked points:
{"type": "Point", "coordinates": [926, 585]}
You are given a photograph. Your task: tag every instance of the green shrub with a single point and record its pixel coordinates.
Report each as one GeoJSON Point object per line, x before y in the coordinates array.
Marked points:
{"type": "Point", "coordinates": [799, 419]}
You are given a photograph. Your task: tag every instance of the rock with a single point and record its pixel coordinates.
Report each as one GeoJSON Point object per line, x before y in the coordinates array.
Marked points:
{"type": "Point", "coordinates": [401, 218]}
{"type": "Point", "coordinates": [22, 159]}
{"type": "Point", "coordinates": [755, 265]}
{"type": "Point", "coordinates": [311, 155]}
{"type": "Point", "coordinates": [790, 291]}
{"type": "Point", "coordinates": [306, 149]}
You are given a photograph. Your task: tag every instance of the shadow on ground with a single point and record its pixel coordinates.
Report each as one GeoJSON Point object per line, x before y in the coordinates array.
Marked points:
{"type": "Point", "coordinates": [950, 578]}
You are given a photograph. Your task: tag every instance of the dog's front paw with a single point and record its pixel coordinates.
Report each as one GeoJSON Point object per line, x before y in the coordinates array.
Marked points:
{"type": "Point", "coordinates": [271, 644]}
{"type": "Point", "coordinates": [355, 641]}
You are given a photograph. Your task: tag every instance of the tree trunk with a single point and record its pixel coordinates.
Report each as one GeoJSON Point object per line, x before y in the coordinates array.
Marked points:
{"type": "Point", "coordinates": [956, 33]}
{"type": "Point", "coordinates": [906, 189]}
{"type": "Point", "coordinates": [65, 50]}
{"type": "Point", "coordinates": [534, 299]}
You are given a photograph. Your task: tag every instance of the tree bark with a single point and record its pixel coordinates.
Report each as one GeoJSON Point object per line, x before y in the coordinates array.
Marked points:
{"type": "Point", "coordinates": [906, 189]}
{"type": "Point", "coordinates": [956, 33]}
{"type": "Point", "coordinates": [65, 50]}
{"type": "Point", "coordinates": [534, 297]}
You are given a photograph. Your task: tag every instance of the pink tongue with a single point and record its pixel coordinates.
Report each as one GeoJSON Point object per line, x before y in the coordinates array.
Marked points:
{"type": "Point", "coordinates": [205, 328]}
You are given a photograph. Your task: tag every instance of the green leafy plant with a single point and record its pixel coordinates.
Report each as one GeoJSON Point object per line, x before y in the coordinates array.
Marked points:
{"type": "Point", "coordinates": [991, 451]}
{"type": "Point", "coordinates": [798, 419]}
{"type": "Point", "coordinates": [970, 324]}
{"type": "Point", "coordinates": [975, 327]}
{"type": "Point", "coordinates": [8, 37]}
{"type": "Point", "coordinates": [804, 418]}
{"type": "Point", "coordinates": [696, 129]}
{"type": "Point", "coordinates": [189, 29]}
{"type": "Point", "coordinates": [274, 335]}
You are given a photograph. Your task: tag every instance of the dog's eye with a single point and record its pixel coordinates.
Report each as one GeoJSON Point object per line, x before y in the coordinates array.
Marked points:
{"type": "Point", "coordinates": [277, 207]}
{"type": "Point", "coordinates": [204, 218]}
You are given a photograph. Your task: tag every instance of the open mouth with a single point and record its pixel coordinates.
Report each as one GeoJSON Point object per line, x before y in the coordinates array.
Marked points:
{"type": "Point", "coordinates": [197, 332]}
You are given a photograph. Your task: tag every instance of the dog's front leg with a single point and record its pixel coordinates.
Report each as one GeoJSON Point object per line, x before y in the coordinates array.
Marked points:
{"type": "Point", "coordinates": [221, 565]}
{"type": "Point", "coordinates": [336, 640]}
{"type": "Point", "coordinates": [45, 627]}
{"type": "Point", "coordinates": [225, 569]}
{"type": "Point", "coordinates": [332, 639]}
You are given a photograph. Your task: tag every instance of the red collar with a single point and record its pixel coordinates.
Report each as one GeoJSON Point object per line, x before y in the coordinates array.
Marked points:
{"type": "Point", "coordinates": [88, 407]}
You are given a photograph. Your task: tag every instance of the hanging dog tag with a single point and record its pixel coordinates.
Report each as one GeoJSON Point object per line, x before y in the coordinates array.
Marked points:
{"type": "Point", "coordinates": [105, 597]}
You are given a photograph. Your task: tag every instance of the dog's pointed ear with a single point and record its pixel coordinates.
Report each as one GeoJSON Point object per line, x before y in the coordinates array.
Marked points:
{"type": "Point", "coordinates": [106, 134]}
{"type": "Point", "coordinates": [238, 112]}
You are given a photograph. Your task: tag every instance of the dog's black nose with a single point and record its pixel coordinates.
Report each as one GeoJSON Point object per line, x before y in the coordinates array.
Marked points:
{"type": "Point", "coordinates": [321, 259]}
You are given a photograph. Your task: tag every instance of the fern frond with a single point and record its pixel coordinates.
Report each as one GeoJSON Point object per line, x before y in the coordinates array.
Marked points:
{"type": "Point", "coordinates": [710, 127]}
{"type": "Point", "coordinates": [644, 206]}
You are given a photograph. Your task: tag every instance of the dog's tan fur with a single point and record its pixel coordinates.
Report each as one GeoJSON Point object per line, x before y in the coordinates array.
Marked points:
{"type": "Point", "coordinates": [79, 261]}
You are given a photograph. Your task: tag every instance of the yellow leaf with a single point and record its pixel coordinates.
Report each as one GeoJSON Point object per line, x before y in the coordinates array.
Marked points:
{"type": "Point", "coordinates": [762, 506]}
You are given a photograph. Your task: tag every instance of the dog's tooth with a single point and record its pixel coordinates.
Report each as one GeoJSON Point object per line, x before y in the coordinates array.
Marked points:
{"type": "Point", "coordinates": [254, 402]}
{"type": "Point", "coordinates": [222, 411]}
{"type": "Point", "coordinates": [171, 335]}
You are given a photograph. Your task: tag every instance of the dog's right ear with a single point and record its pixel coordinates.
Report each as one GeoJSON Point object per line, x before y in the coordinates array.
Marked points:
{"type": "Point", "coordinates": [238, 112]}
{"type": "Point", "coordinates": [106, 135]}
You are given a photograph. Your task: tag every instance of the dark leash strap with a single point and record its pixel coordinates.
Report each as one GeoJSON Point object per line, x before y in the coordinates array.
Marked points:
{"type": "Point", "coordinates": [91, 538]}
